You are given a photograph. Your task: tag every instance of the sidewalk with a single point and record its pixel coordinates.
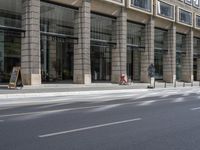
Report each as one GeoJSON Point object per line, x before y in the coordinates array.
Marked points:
{"type": "Point", "coordinates": [49, 90]}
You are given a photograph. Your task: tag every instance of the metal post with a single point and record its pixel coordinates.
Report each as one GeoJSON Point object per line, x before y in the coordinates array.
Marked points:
{"type": "Point", "coordinates": [183, 84]}
{"type": "Point", "coordinates": [165, 84]}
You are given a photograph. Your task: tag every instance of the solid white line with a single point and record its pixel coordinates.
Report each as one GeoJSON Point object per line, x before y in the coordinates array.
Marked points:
{"type": "Point", "coordinates": [197, 108]}
{"type": "Point", "coordinates": [88, 128]}
{"type": "Point", "coordinates": [1, 120]}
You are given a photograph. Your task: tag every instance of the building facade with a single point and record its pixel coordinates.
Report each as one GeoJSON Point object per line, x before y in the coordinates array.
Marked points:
{"type": "Point", "coordinates": [98, 40]}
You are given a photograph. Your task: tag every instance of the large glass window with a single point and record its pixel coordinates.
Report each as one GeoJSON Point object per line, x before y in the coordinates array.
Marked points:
{"type": "Point", "coordinates": [160, 46]}
{"type": "Point", "coordinates": [103, 35]}
{"type": "Point", "coordinates": [103, 28]}
{"type": "Point", "coordinates": [198, 21]}
{"type": "Point", "coordinates": [180, 50]}
{"type": "Point", "coordinates": [185, 17]}
{"type": "Point", "coordinates": [196, 43]}
{"type": "Point", "coordinates": [57, 49]}
{"type": "Point", "coordinates": [142, 4]}
{"type": "Point", "coordinates": [160, 39]}
{"type": "Point", "coordinates": [10, 13]}
{"type": "Point", "coordinates": [165, 10]}
{"type": "Point", "coordinates": [57, 19]}
{"type": "Point", "coordinates": [136, 34]}
{"type": "Point", "coordinates": [10, 40]}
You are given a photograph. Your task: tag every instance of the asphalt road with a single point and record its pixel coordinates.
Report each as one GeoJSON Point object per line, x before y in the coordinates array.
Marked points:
{"type": "Point", "coordinates": [155, 120]}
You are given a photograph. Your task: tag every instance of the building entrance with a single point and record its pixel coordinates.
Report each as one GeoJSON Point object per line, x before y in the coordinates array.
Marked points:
{"type": "Point", "coordinates": [158, 60]}
{"type": "Point", "coordinates": [133, 63]}
{"type": "Point", "coordinates": [101, 63]}
{"type": "Point", "coordinates": [56, 59]}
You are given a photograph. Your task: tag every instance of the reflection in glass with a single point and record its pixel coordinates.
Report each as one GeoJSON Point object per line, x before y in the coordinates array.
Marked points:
{"type": "Point", "coordinates": [103, 33]}
{"type": "Point", "coordinates": [196, 53]}
{"type": "Point", "coordinates": [57, 51]}
{"type": "Point", "coordinates": [160, 46]}
{"type": "Point", "coordinates": [180, 49]}
{"type": "Point", "coordinates": [136, 34]}
{"type": "Point", "coordinates": [10, 54]}
{"type": "Point", "coordinates": [10, 13]}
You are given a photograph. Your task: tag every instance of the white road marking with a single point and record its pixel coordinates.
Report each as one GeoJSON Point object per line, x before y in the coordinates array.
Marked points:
{"type": "Point", "coordinates": [88, 128]}
{"type": "Point", "coordinates": [197, 108]}
{"type": "Point", "coordinates": [1, 120]}
{"type": "Point", "coordinates": [146, 103]}
{"type": "Point", "coordinates": [178, 100]}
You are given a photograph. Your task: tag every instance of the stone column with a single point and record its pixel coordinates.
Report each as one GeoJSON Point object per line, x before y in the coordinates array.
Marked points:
{"type": "Point", "coordinates": [187, 59]}
{"type": "Point", "coordinates": [82, 68]}
{"type": "Point", "coordinates": [147, 56]}
{"type": "Point", "coordinates": [198, 69]}
{"type": "Point", "coordinates": [119, 55]}
{"type": "Point", "coordinates": [169, 58]}
{"type": "Point", "coordinates": [30, 54]}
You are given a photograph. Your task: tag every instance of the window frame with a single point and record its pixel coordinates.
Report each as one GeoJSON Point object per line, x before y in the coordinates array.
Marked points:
{"type": "Point", "coordinates": [178, 17]}
{"type": "Point", "coordinates": [141, 10]}
{"type": "Point", "coordinates": [118, 3]}
{"type": "Point", "coordinates": [195, 4]}
{"type": "Point", "coordinates": [189, 3]}
{"type": "Point", "coordinates": [195, 21]}
{"type": "Point", "coordinates": [160, 16]}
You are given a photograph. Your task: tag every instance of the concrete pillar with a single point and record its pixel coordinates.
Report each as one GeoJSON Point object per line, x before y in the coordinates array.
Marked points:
{"type": "Point", "coordinates": [30, 54]}
{"type": "Point", "coordinates": [147, 56]}
{"type": "Point", "coordinates": [169, 58]}
{"type": "Point", "coordinates": [187, 59]}
{"type": "Point", "coordinates": [119, 54]}
{"type": "Point", "coordinates": [82, 68]}
{"type": "Point", "coordinates": [198, 69]}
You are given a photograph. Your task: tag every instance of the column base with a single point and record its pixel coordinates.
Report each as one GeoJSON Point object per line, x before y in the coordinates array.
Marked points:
{"type": "Point", "coordinates": [31, 79]}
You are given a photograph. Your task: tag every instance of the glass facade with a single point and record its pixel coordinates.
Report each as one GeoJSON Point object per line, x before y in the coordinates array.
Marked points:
{"type": "Point", "coordinates": [10, 37]}
{"type": "Point", "coordinates": [185, 17]}
{"type": "Point", "coordinates": [142, 4]}
{"type": "Point", "coordinates": [103, 34]}
{"type": "Point", "coordinates": [196, 52]}
{"type": "Point", "coordinates": [57, 23]}
{"type": "Point", "coordinates": [197, 21]}
{"type": "Point", "coordinates": [165, 10]}
{"type": "Point", "coordinates": [160, 47]}
{"type": "Point", "coordinates": [180, 50]}
{"type": "Point", "coordinates": [135, 42]}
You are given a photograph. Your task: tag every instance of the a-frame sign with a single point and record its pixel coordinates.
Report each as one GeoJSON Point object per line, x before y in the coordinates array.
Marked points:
{"type": "Point", "coordinates": [16, 78]}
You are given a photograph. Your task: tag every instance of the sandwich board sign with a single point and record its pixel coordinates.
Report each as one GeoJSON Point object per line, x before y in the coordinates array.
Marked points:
{"type": "Point", "coordinates": [16, 78]}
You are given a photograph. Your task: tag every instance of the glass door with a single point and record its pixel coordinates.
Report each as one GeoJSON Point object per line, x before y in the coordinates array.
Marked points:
{"type": "Point", "coordinates": [101, 63]}
{"type": "Point", "coordinates": [178, 66]}
{"type": "Point", "coordinates": [56, 59]}
{"type": "Point", "coordinates": [133, 63]}
{"type": "Point", "coordinates": [158, 60]}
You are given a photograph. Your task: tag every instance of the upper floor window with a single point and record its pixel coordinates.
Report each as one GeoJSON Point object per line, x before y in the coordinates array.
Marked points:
{"type": "Point", "coordinates": [165, 10]}
{"type": "Point", "coordinates": [196, 3]}
{"type": "Point", "coordinates": [142, 4]}
{"type": "Point", "coordinates": [188, 2]}
{"type": "Point", "coordinates": [197, 21]}
{"type": "Point", "coordinates": [185, 17]}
